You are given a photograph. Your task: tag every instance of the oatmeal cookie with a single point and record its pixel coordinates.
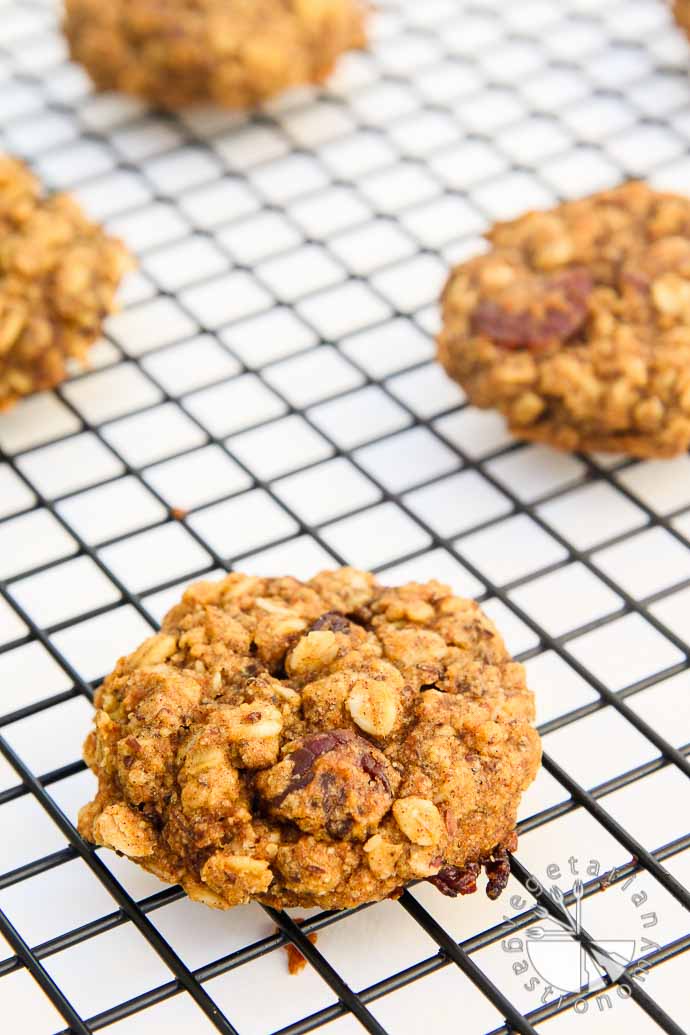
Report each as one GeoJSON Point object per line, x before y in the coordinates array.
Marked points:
{"type": "Point", "coordinates": [58, 278]}
{"type": "Point", "coordinates": [681, 12]}
{"type": "Point", "coordinates": [234, 53]}
{"type": "Point", "coordinates": [576, 324]}
{"type": "Point", "coordinates": [314, 744]}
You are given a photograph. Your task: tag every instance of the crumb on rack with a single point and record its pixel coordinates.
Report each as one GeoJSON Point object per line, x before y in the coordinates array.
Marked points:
{"type": "Point", "coordinates": [296, 961]}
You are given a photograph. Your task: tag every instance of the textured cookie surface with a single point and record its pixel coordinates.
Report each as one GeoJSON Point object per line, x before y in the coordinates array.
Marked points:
{"type": "Point", "coordinates": [681, 11]}
{"type": "Point", "coordinates": [318, 743]}
{"type": "Point", "coordinates": [58, 278]}
{"type": "Point", "coordinates": [576, 323]}
{"type": "Point", "coordinates": [233, 53]}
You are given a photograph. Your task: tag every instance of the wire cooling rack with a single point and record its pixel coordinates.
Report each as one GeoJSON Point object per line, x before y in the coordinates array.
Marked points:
{"type": "Point", "coordinates": [268, 399]}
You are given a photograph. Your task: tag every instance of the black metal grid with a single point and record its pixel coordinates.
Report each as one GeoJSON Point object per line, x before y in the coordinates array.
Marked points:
{"type": "Point", "coordinates": [403, 18]}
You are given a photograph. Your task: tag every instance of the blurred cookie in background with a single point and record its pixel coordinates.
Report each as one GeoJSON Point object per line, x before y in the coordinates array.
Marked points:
{"type": "Point", "coordinates": [59, 273]}
{"type": "Point", "coordinates": [234, 53]}
{"type": "Point", "coordinates": [575, 324]}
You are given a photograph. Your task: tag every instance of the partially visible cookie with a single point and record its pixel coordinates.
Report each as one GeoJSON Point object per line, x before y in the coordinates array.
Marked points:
{"type": "Point", "coordinates": [576, 324]}
{"type": "Point", "coordinates": [681, 12]}
{"type": "Point", "coordinates": [58, 277]}
{"type": "Point", "coordinates": [233, 53]}
{"type": "Point", "coordinates": [314, 744]}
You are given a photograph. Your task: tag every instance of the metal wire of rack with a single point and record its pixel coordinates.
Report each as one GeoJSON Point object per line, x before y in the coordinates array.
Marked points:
{"type": "Point", "coordinates": [481, 75]}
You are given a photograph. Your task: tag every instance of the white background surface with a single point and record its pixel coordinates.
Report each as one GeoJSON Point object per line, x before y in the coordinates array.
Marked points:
{"type": "Point", "coordinates": [272, 373]}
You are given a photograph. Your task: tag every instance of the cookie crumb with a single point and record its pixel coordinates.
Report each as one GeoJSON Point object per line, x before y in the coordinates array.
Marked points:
{"type": "Point", "coordinates": [296, 961]}
{"type": "Point", "coordinates": [606, 880]}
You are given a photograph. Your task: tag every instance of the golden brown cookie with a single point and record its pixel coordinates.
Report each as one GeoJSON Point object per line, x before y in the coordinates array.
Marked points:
{"type": "Point", "coordinates": [58, 278]}
{"type": "Point", "coordinates": [234, 53]}
{"type": "Point", "coordinates": [576, 324]}
{"type": "Point", "coordinates": [314, 744]}
{"type": "Point", "coordinates": [681, 12]}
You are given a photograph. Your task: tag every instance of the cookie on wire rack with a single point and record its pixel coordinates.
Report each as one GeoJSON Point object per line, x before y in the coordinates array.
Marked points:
{"type": "Point", "coordinates": [59, 273]}
{"type": "Point", "coordinates": [314, 744]}
{"type": "Point", "coordinates": [576, 324]}
{"type": "Point", "coordinates": [233, 53]}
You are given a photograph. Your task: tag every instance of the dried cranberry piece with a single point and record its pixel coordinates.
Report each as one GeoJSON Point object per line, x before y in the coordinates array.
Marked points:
{"type": "Point", "coordinates": [333, 621]}
{"type": "Point", "coordinates": [498, 873]}
{"type": "Point", "coordinates": [453, 881]}
{"type": "Point", "coordinates": [558, 320]}
{"type": "Point", "coordinates": [322, 743]}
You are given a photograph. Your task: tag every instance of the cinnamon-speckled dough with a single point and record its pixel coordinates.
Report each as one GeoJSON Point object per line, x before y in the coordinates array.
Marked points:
{"type": "Point", "coordinates": [576, 323]}
{"type": "Point", "coordinates": [314, 744]}
{"type": "Point", "coordinates": [58, 277]}
{"type": "Point", "coordinates": [234, 53]}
